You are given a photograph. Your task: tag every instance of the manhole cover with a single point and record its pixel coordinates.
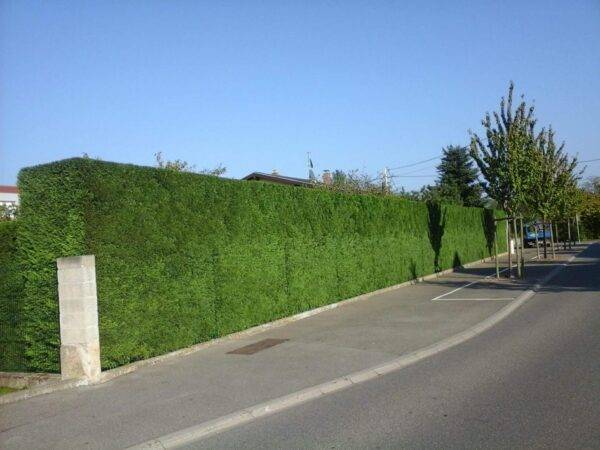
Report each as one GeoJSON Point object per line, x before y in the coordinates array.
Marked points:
{"type": "Point", "coordinates": [257, 347]}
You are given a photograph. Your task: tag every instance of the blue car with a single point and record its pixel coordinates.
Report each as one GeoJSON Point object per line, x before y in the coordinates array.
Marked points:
{"type": "Point", "coordinates": [532, 229]}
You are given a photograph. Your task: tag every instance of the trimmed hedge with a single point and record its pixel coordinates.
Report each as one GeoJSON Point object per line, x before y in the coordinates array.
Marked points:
{"type": "Point", "coordinates": [182, 258]}
{"type": "Point", "coordinates": [12, 343]}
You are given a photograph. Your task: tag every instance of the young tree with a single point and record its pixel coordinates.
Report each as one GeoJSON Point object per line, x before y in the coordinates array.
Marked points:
{"type": "Point", "coordinates": [504, 141]}
{"type": "Point", "coordinates": [507, 137]}
{"type": "Point", "coordinates": [458, 179]}
{"type": "Point", "coordinates": [552, 193]}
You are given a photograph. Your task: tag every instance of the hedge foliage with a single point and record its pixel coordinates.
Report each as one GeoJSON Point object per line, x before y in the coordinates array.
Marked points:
{"type": "Point", "coordinates": [12, 343]}
{"type": "Point", "coordinates": [182, 258]}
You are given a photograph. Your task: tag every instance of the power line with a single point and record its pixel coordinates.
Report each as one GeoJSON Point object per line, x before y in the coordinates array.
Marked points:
{"type": "Point", "coordinates": [588, 160]}
{"type": "Point", "coordinates": [412, 176]}
{"type": "Point", "coordinates": [420, 169]}
{"type": "Point", "coordinates": [415, 163]}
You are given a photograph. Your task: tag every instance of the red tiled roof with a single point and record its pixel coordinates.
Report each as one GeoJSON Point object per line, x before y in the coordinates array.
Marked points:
{"type": "Point", "coordinates": [9, 189]}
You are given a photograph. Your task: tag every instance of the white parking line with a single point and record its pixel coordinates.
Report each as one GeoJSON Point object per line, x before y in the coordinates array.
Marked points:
{"type": "Point", "coordinates": [439, 297]}
{"type": "Point", "coordinates": [473, 299]}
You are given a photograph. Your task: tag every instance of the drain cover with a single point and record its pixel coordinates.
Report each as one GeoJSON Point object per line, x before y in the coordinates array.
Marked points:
{"type": "Point", "coordinates": [257, 347]}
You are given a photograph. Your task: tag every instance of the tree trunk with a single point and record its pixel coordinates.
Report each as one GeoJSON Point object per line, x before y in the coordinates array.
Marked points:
{"type": "Point", "coordinates": [564, 244]}
{"type": "Point", "coordinates": [569, 233]}
{"type": "Point", "coordinates": [552, 238]}
{"type": "Point", "coordinates": [509, 249]}
{"type": "Point", "coordinates": [517, 248]}
{"type": "Point", "coordinates": [522, 248]}
{"type": "Point", "coordinates": [537, 242]}
{"type": "Point", "coordinates": [496, 250]}
{"type": "Point", "coordinates": [577, 223]}
{"type": "Point", "coordinates": [544, 226]}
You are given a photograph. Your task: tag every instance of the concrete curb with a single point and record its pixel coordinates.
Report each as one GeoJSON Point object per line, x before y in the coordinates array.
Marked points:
{"type": "Point", "coordinates": [205, 429]}
{"type": "Point", "coordinates": [128, 368]}
{"type": "Point", "coordinates": [41, 389]}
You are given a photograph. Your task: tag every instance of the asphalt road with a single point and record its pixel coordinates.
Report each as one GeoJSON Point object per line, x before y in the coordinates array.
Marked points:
{"type": "Point", "coordinates": [532, 381]}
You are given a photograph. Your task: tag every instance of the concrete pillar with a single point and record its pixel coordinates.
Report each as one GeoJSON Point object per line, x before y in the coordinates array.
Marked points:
{"type": "Point", "coordinates": [78, 304]}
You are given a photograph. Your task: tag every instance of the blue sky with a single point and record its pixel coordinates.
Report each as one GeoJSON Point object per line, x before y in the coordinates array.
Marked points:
{"type": "Point", "coordinates": [255, 85]}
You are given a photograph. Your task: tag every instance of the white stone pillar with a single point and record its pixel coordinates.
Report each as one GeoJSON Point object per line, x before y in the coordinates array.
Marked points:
{"type": "Point", "coordinates": [78, 304]}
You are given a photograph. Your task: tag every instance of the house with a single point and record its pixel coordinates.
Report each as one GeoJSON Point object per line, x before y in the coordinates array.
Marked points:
{"type": "Point", "coordinates": [9, 196]}
{"type": "Point", "coordinates": [279, 179]}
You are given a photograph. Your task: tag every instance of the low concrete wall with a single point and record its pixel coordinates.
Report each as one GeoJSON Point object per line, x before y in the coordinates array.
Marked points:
{"type": "Point", "coordinates": [21, 380]}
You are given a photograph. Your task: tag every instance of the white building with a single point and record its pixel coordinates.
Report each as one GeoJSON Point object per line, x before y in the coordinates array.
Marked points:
{"type": "Point", "coordinates": [9, 197]}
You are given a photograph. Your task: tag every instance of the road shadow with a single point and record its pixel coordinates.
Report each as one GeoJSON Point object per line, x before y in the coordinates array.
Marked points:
{"type": "Point", "coordinates": [581, 275]}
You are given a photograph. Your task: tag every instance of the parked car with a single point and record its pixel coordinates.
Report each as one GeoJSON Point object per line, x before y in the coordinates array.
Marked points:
{"type": "Point", "coordinates": [531, 229]}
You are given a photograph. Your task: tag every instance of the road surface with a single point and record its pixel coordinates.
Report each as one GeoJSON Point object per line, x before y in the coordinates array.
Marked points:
{"type": "Point", "coordinates": [532, 381]}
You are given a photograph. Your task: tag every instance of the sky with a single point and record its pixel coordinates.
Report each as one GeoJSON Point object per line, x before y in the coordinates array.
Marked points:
{"type": "Point", "coordinates": [255, 85]}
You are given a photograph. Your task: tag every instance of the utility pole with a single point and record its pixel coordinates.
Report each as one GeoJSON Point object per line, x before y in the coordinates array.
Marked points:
{"type": "Point", "coordinates": [386, 180]}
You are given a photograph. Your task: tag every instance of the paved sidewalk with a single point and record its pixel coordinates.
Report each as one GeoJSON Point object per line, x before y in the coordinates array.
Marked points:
{"type": "Point", "coordinates": [188, 390]}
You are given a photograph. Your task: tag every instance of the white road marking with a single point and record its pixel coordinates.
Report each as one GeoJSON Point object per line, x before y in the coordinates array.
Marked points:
{"type": "Point", "coordinates": [472, 283]}
{"type": "Point", "coordinates": [472, 299]}
{"type": "Point", "coordinates": [197, 432]}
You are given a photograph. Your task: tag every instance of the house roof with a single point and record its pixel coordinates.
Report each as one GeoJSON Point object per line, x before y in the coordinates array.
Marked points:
{"type": "Point", "coordinates": [9, 189]}
{"type": "Point", "coordinates": [276, 178]}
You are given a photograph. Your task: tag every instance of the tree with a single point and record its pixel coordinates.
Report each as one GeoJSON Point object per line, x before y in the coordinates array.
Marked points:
{"type": "Point", "coordinates": [353, 181]}
{"type": "Point", "coordinates": [8, 212]}
{"type": "Point", "coordinates": [507, 137]}
{"type": "Point", "coordinates": [552, 190]}
{"type": "Point", "coordinates": [590, 215]}
{"type": "Point", "coordinates": [179, 165]}
{"type": "Point", "coordinates": [590, 208]}
{"type": "Point", "coordinates": [527, 173]}
{"type": "Point", "coordinates": [592, 185]}
{"type": "Point", "coordinates": [458, 179]}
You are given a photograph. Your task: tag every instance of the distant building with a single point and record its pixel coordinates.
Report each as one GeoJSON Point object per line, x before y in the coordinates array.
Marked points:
{"type": "Point", "coordinates": [9, 196]}
{"type": "Point", "coordinates": [279, 179]}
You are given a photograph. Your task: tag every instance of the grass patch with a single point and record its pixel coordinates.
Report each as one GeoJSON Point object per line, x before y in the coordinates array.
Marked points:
{"type": "Point", "coordinates": [7, 390]}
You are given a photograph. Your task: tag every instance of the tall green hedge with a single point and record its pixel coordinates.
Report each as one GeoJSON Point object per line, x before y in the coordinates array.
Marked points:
{"type": "Point", "coordinates": [182, 258]}
{"type": "Point", "coordinates": [12, 342]}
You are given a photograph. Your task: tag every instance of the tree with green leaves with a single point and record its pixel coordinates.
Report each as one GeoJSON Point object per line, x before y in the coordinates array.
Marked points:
{"type": "Point", "coordinates": [590, 208]}
{"type": "Point", "coordinates": [458, 179]}
{"type": "Point", "coordinates": [552, 192]}
{"type": "Point", "coordinates": [508, 137]}
{"type": "Point", "coordinates": [8, 212]}
{"type": "Point", "coordinates": [179, 165]}
{"type": "Point", "coordinates": [353, 182]}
